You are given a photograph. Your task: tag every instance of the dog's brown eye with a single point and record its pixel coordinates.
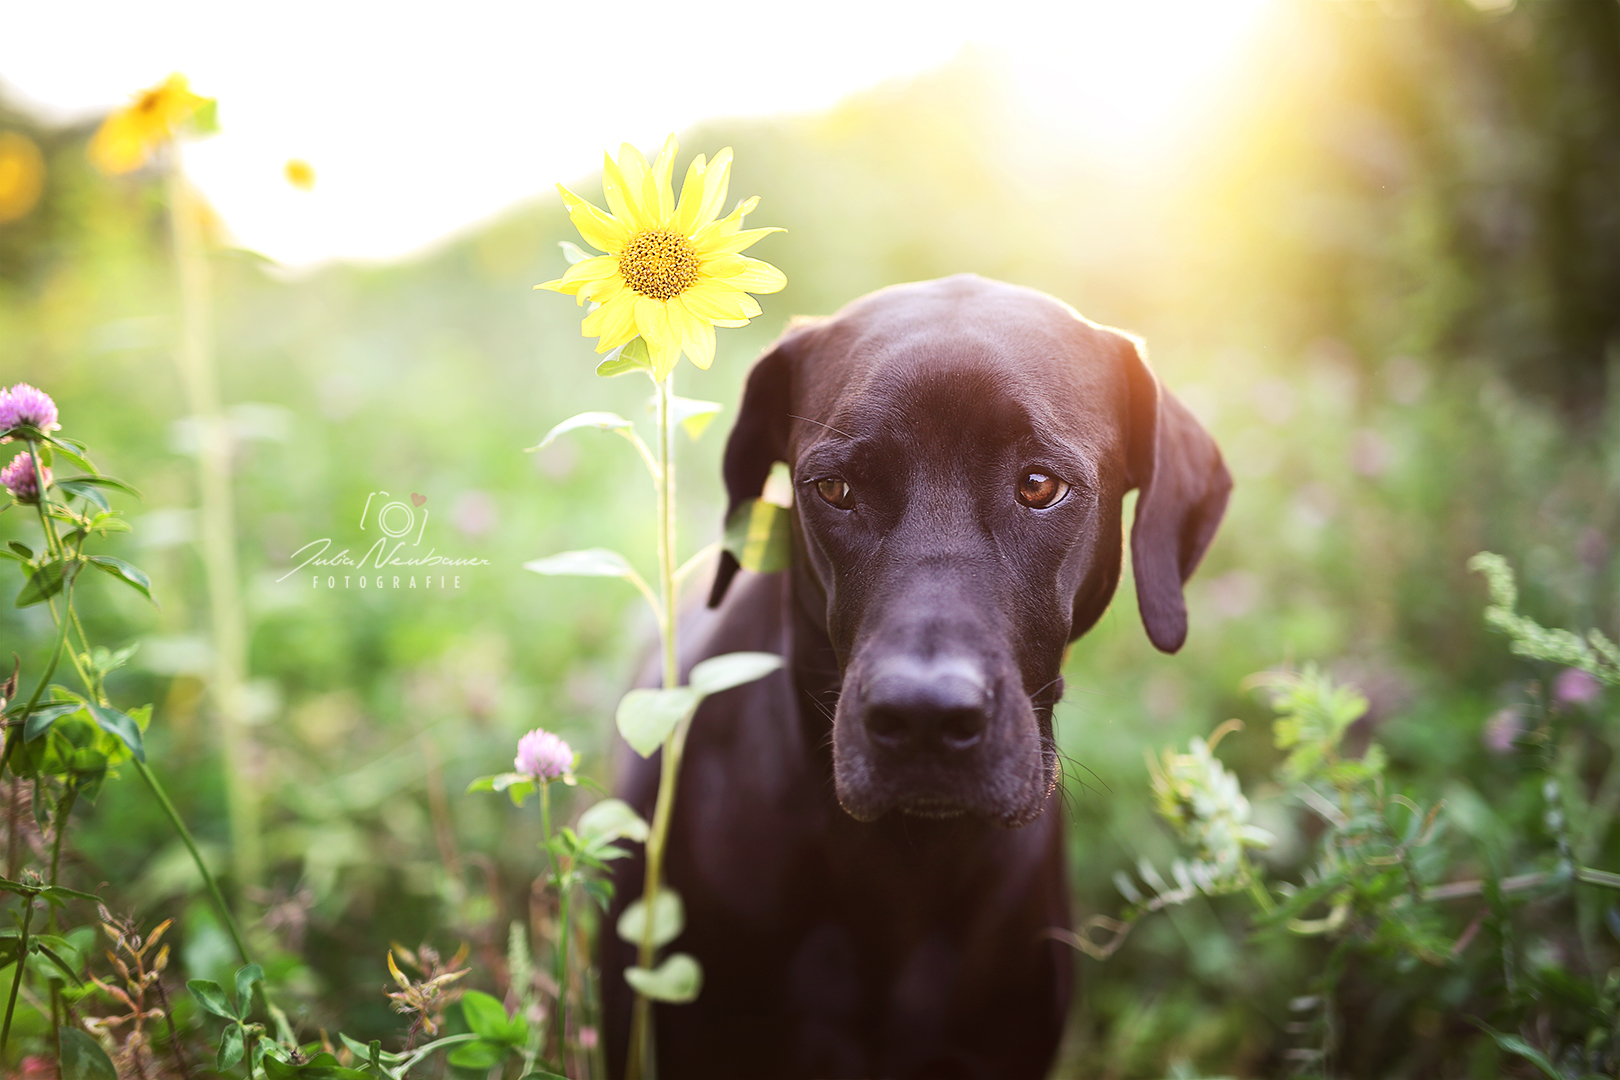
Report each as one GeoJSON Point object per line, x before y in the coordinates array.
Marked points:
{"type": "Point", "coordinates": [1039, 490]}
{"type": "Point", "coordinates": [835, 493]}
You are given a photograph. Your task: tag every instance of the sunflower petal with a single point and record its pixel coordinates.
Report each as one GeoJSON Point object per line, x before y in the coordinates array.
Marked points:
{"type": "Point", "coordinates": [652, 320]}
{"type": "Point", "coordinates": [595, 227]}
{"type": "Point", "coordinates": [727, 225]}
{"type": "Point", "coordinates": [640, 189]}
{"type": "Point", "coordinates": [696, 333]}
{"type": "Point", "coordinates": [716, 181]}
{"type": "Point", "coordinates": [738, 241]}
{"type": "Point", "coordinates": [663, 169]}
{"type": "Point", "coordinates": [741, 272]}
{"type": "Point", "coordinates": [691, 197]}
{"type": "Point", "coordinates": [602, 290]}
{"type": "Point", "coordinates": [616, 191]}
{"type": "Point", "coordinates": [614, 323]}
{"type": "Point", "coordinates": [593, 269]}
{"type": "Point", "coordinates": [720, 303]}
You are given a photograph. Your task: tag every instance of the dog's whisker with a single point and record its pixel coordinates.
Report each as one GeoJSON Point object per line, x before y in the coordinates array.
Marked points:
{"type": "Point", "coordinates": [818, 423]}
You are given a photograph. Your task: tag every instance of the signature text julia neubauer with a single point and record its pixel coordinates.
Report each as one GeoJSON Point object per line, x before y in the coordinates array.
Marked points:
{"type": "Point", "coordinates": [397, 520]}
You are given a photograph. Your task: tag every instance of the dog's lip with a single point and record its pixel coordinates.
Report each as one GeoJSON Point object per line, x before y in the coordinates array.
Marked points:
{"type": "Point", "coordinates": [931, 806]}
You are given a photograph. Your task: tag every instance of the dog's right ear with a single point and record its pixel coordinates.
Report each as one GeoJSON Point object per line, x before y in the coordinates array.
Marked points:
{"type": "Point", "coordinates": [759, 438]}
{"type": "Point", "coordinates": [1183, 490]}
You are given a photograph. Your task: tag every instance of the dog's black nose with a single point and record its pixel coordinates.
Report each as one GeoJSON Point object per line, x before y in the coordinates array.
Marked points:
{"type": "Point", "coordinates": [940, 704]}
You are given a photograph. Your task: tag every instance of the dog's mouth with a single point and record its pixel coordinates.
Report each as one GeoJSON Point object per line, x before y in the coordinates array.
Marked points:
{"type": "Point", "coordinates": [932, 807]}
{"type": "Point", "coordinates": [933, 740]}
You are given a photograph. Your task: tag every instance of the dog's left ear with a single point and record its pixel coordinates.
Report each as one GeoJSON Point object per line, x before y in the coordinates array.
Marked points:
{"type": "Point", "coordinates": [1183, 487]}
{"type": "Point", "coordinates": [759, 439]}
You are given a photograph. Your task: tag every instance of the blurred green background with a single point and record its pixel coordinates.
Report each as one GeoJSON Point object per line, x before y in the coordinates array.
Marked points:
{"type": "Point", "coordinates": [1387, 277]}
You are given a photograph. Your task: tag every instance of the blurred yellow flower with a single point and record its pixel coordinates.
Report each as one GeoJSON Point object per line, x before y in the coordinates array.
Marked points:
{"type": "Point", "coordinates": [672, 272]}
{"type": "Point", "coordinates": [22, 175]}
{"type": "Point", "coordinates": [127, 137]}
{"type": "Point", "coordinates": [300, 174]}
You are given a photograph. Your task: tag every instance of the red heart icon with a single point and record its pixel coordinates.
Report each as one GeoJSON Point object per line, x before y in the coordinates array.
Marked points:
{"type": "Point", "coordinates": [417, 500]}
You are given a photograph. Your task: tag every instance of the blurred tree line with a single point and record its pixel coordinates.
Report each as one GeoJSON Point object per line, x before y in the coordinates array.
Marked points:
{"type": "Point", "coordinates": [1386, 273]}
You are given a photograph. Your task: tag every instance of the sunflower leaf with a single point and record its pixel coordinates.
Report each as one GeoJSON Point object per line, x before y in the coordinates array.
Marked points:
{"type": "Point", "coordinates": [732, 669]}
{"type": "Point", "coordinates": [677, 980]}
{"type": "Point", "coordinates": [693, 415]}
{"type": "Point", "coordinates": [605, 421]}
{"type": "Point", "coordinates": [669, 919]}
{"type": "Point", "coordinates": [646, 717]}
{"type": "Point", "coordinates": [590, 562]}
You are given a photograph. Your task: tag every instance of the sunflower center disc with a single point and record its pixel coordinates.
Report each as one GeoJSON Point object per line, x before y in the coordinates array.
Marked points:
{"type": "Point", "coordinates": [658, 264]}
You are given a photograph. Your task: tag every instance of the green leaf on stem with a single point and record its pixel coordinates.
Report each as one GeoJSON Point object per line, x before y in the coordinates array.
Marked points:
{"type": "Point", "coordinates": [44, 716]}
{"type": "Point", "coordinates": [631, 356]}
{"type": "Point", "coordinates": [230, 1048]}
{"type": "Point", "coordinates": [731, 669]}
{"type": "Point", "coordinates": [56, 958]}
{"type": "Point", "coordinates": [646, 717]}
{"type": "Point", "coordinates": [100, 481]}
{"type": "Point", "coordinates": [129, 574]}
{"type": "Point", "coordinates": [43, 584]}
{"type": "Point", "coordinates": [362, 1052]}
{"type": "Point", "coordinates": [669, 919]}
{"type": "Point", "coordinates": [246, 976]}
{"type": "Point", "coordinates": [1513, 1044]}
{"type": "Point", "coordinates": [591, 562]}
{"type": "Point", "coordinates": [123, 726]}
{"type": "Point", "coordinates": [487, 1018]}
{"type": "Point", "coordinates": [677, 980]}
{"type": "Point", "coordinates": [83, 490]}
{"type": "Point", "coordinates": [482, 1055]}
{"type": "Point", "coordinates": [758, 537]}
{"type": "Point", "coordinates": [211, 996]}
{"type": "Point", "coordinates": [23, 550]}
{"type": "Point", "coordinates": [81, 1057]}
{"type": "Point", "coordinates": [322, 1066]}
{"type": "Point", "coordinates": [519, 786]}
{"type": "Point", "coordinates": [611, 819]}
{"type": "Point", "coordinates": [74, 454]}
{"type": "Point", "coordinates": [603, 421]}
{"type": "Point", "coordinates": [109, 521]}
{"type": "Point", "coordinates": [541, 1074]}
{"type": "Point", "coordinates": [692, 415]}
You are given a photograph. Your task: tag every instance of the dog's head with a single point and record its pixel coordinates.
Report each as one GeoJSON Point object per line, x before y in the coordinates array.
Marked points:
{"type": "Point", "coordinates": [959, 452]}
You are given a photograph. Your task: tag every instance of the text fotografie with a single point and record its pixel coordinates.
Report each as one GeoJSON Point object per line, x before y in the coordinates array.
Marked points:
{"type": "Point", "coordinates": [379, 556]}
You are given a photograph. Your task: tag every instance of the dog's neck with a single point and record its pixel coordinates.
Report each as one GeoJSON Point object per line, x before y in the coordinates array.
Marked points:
{"type": "Point", "coordinates": [817, 679]}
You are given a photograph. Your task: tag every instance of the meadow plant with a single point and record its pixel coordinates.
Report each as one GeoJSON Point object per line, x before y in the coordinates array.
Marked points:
{"type": "Point", "coordinates": [1382, 881]}
{"type": "Point", "coordinates": [672, 270]}
{"type": "Point", "coordinates": [61, 744]}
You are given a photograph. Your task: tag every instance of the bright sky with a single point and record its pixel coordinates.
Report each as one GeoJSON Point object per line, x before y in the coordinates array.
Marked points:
{"type": "Point", "coordinates": [423, 119]}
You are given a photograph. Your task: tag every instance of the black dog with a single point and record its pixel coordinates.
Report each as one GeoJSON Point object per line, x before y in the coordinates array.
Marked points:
{"type": "Point", "coordinates": [859, 839]}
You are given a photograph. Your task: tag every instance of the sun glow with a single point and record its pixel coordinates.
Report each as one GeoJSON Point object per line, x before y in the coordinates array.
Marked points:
{"type": "Point", "coordinates": [424, 125]}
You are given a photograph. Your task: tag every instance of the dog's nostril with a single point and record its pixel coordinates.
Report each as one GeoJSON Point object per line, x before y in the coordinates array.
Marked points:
{"type": "Point", "coordinates": [888, 725]}
{"type": "Point", "coordinates": [926, 707]}
{"type": "Point", "coordinates": [961, 728]}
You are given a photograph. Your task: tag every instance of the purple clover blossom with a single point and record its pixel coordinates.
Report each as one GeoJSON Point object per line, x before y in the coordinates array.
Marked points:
{"type": "Point", "coordinates": [19, 479]}
{"type": "Point", "coordinates": [24, 406]}
{"type": "Point", "coordinates": [1576, 687]}
{"type": "Point", "coordinates": [1502, 730]}
{"type": "Point", "coordinates": [544, 756]}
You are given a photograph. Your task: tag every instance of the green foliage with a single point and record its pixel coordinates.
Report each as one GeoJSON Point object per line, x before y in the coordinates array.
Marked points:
{"type": "Point", "coordinates": [1595, 654]}
{"type": "Point", "coordinates": [1381, 878]}
{"type": "Point", "coordinates": [677, 980]}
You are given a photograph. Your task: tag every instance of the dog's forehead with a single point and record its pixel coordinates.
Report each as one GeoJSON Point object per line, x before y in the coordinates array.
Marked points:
{"type": "Point", "coordinates": [1008, 350]}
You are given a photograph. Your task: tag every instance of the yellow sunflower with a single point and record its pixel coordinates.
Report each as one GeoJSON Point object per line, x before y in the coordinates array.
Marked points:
{"type": "Point", "coordinates": [672, 271]}
{"type": "Point", "coordinates": [127, 137]}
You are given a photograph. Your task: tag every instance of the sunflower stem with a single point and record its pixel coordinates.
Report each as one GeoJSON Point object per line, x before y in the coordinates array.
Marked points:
{"type": "Point", "coordinates": [641, 1030]}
